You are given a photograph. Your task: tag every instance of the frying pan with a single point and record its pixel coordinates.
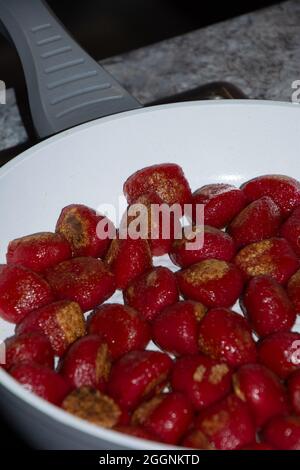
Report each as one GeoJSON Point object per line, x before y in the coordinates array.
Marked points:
{"type": "Point", "coordinates": [226, 141]}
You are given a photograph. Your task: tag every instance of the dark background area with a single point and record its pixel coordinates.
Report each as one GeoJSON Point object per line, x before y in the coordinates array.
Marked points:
{"type": "Point", "coordinates": [110, 27]}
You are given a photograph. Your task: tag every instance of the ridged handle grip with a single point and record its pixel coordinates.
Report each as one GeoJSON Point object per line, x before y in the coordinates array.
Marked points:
{"type": "Point", "coordinates": [65, 85]}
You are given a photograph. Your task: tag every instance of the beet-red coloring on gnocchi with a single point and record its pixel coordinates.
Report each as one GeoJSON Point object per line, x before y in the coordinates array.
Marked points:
{"type": "Point", "coordinates": [293, 289]}
{"type": "Point", "coordinates": [290, 230]}
{"type": "Point", "coordinates": [155, 221]}
{"type": "Point", "coordinates": [201, 379]}
{"type": "Point", "coordinates": [61, 322]}
{"type": "Point", "coordinates": [284, 190]}
{"type": "Point", "coordinates": [294, 391]}
{"type": "Point", "coordinates": [165, 179]}
{"type": "Point", "coordinates": [87, 363]}
{"type": "Point", "coordinates": [85, 280]}
{"type": "Point", "coordinates": [225, 336]}
{"type": "Point", "coordinates": [138, 375]}
{"type": "Point", "coordinates": [293, 385]}
{"type": "Point", "coordinates": [222, 202]}
{"type": "Point", "coordinates": [21, 292]}
{"type": "Point", "coordinates": [79, 225]}
{"type": "Point", "coordinates": [167, 416]}
{"type": "Point", "coordinates": [262, 390]}
{"type": "Point", "coordinates": [176, 328]}
{"type": "Point", "coordinates": [121, 326]}
{"type": "Point", "coordinates": [280, 352]}
{"type": "Point", "coordinates": [42, 381]}
{"type": "Point", "coordinates": [200, 243]}
{"type": "Point", "coordinates": [273, 257]}
{"type": "Point", "coordinates": [259, 220]}
{"type": "Point", "coordinates": [258, 446]}
{"type": "Point", "coordinates": [29, 347]}
{"type": "Point", "coordinates": [228, 424]}
{"type": "Point", "coordinates": [152, 291]}
{"type": "Point", "coordinates": [127, 259]}
{"type": "Point", "coordinates": [38, 251]}
{"type": "Point", "coordinates": [267, 306]}
{"type": "Point", "coordinates": [283, 432]}
{"type": "Point", "coordinates": [213, 282]}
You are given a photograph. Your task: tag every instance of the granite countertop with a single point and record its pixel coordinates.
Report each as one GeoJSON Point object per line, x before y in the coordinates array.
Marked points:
{"type": "Point", "coordinates": [259, 52]}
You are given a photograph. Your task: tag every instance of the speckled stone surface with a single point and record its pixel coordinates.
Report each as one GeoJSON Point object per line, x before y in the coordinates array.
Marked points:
{"type": "Point", "coordinates": [259, 52]}
{"type": "Point", "coordinates": [12, 131]}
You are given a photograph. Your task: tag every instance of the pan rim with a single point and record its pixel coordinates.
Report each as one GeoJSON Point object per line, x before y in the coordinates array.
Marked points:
{"type": "Point", "coordinates": [29, 153]}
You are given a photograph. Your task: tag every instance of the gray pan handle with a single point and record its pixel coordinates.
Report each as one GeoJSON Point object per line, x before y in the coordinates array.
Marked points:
{"type": "Point", "coordinates": [65, 85]}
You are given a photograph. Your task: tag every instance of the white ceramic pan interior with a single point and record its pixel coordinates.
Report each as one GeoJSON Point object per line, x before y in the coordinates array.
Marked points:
{"type": "Point", "coordinates": [228, 141]}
